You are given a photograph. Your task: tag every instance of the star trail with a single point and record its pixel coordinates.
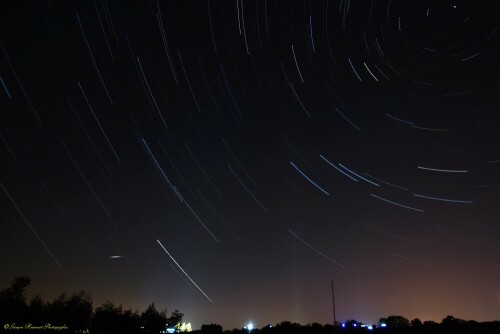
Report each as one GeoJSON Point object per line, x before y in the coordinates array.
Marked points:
{"type": "Point", "coordinates": [272, 146]}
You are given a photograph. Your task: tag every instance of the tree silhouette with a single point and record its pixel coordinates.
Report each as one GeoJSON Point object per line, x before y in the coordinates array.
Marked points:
{"type": "Point", "coordinates": [416, 322]}
{"type": "Point", "coordinates": [56, 310]}
{"type": "Point", "coordinates": [13, 300]}
{"type": "Point", "coordinates": [107, 318]}
{"type": "Point", "coordinates": [397, 321]}
{"type": "Point", "coordinates": [211, 329]}
{"type": "Point", "coordinates": [451, 321]}
{"type": "Point", "coordinates": [175, 317]}
{"type": "Point", "coordinates": [76, 312]}
{"type": "Point", "coordinates": [130, 322]}
{"type": "Point", "coordinates": [153, 320]}
{"type": "Point", "coordinates": [287, 327]}
{"type": "Point", "coordinates": [79, 310]}
{"type": "Point", "coordinates": [37, 309]}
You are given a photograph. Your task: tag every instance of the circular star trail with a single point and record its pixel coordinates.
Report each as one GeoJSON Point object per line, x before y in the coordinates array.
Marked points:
{"type": "Point", "coordinates": [231, 158]}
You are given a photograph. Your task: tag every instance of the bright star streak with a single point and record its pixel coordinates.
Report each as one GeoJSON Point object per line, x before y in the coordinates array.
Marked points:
{"type": "Point", "coordinates": [196, 285]}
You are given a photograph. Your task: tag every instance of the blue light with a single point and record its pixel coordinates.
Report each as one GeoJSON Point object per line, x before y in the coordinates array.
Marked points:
{"type": "Point", "coordinates": [370, 328]}
{"type": "Point", "coordinates": [383, 325]}
{"type": "Point", "coordinates": [355, 325]}
{"type": "Point", "coordinates": [343, 325]}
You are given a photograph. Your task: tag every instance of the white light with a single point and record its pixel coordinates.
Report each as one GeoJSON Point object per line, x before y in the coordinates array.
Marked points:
{"type": "Point", "coordinates": [383, 325]}
{"type": "Point", "coordinates": [370, 328]}
{"type": "Point", "coordinates": [250, 326]}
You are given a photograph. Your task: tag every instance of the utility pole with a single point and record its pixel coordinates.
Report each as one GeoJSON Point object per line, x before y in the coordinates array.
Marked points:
{"type": "Point", "coordinates": [334, 316]}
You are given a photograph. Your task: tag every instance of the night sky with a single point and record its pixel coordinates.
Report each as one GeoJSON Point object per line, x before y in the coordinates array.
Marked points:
{"type": "Point", "coordinates": [231, 158]}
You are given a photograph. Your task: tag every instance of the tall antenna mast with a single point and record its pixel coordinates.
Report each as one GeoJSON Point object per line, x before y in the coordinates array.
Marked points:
{"type": "Point", "coordinates": [333, 300]}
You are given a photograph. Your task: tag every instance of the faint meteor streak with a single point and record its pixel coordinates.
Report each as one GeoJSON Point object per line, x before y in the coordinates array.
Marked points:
{"type": "Point", "coordinates": [237, 161]}
{"type": "Point", "coordinates": [99, 123]}
{"type": "Point", "coordinates": [165, 177]}
{"type": "Point", "coordinates": [443, 170]}
{"type": "Point", "coordinates": [91, 189]}
{"type": "Point", "coordinates": [199, 220]}
{"type": "Point", "coordinates": [5, 87]}
{"type": "Point", "coordinates": [354, 70]}
{"type": "Point", "coordinates": [297, 65]}
{"type": "Point", "coordinates": [474, 55]}
{"type": "Point", "coordinates": [444, 199]}
{"type": "Point", "coordinates": [400, 120]}
{"type": "Point", "coordinates": [390, 184]}
{"type": "Point", "coordinates": [413, 260]}
{"type": "Point", "coordinates": [362, 178]}
{"type": "Point", "coordinates": [217, 214]}
{"type": "Point", "coordinates": [203, 171]}
{"type": "Point", "coordinates": [31, 227]}
{"type": "Point", "coordinates": [395, 235]}
{"type": "Point", "coordinates": [20, 85]}
{"type": "Point", "coordinates": [338, 169]}
{"type": "Point", "coordinates": [246, 188]}
{"type": "Point", "coordinates": [308, 179]}
{"type": "Point", "coordinates": [315, 249]}
{"type": "Point", "coordinates": [347, 119]}
{"type": "Point", "coordinates": [93, 60]}
{"type": "Point", "coordinates": [398, 204]}
{"type": "Point", "coordinates": [196, 285]}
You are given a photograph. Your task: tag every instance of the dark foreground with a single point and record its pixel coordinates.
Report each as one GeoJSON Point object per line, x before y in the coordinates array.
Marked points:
{"type": "Point", "coordinates": [75, 314]}
{"type": "Point", "coordinates": [449, 325]}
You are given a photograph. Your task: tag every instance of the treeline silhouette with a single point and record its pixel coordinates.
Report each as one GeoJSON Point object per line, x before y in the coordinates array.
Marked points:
{"type": "Point", "coordinates": [393, 325]}
{"type": "Point", "coordinates": [75, 314]}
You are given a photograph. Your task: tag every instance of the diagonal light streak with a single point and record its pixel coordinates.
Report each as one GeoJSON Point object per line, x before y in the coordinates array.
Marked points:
{"type": "Point", "coordinates": [196, 285]}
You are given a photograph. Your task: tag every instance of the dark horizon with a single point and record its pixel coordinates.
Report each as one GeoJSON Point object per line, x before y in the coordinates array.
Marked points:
{"type": "Point", "coordinates": [76, 313]}
{"type": "Point", "coordinates": [231, 159]}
